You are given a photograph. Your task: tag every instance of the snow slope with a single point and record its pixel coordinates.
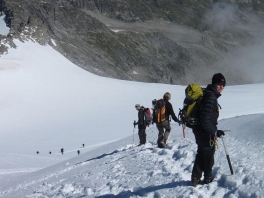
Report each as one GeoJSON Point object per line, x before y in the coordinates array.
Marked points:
{"type": "Point", "coordinates": [121, 170]}
{"type": "Point", "coordinates": [48, 103]}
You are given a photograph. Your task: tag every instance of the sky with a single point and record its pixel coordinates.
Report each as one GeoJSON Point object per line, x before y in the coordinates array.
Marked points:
{"type": "Point", "coordinates": [48, 103]}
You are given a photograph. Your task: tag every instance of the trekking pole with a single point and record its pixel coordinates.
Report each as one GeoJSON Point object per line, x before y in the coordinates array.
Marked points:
{"type": "Point", "coordinates": [183, 130]}
{"type": "Point", "coordinates": [228, 158]}
{"type": "Point", "coordinates": [133, 133]}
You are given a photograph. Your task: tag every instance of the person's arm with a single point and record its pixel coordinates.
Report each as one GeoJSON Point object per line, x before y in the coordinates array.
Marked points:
{"type": "Point", "coordinates": [141, 117]}
{"type": "Point", "coordinates": [207, 115]}
{"type": "Point", "coordinates": [171, 112]}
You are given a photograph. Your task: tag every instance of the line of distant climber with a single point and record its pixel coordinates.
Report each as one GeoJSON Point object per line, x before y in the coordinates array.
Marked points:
{"type": "Point", "coordinates": [62, 151]}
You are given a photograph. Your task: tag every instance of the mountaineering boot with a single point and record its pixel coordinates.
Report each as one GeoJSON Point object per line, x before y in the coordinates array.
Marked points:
{"type": "Point", "coordinates": [161, 145]}
{"type": "Point", "coordinates": [165, 141]}
{"type": "Point", "coordinates": [141, 144]}
{"type": "Point", "coordinates": [207, 180]}
{"type": "Point", "coordinates": [195, 181]}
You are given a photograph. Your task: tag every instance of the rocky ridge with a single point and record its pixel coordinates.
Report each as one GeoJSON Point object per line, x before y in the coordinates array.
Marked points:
{"type": "Point", "coordinates": [176, 42]}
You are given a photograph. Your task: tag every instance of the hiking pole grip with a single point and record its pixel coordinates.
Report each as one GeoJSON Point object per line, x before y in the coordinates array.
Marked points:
{"type": "Point", "coordinates": [228, 158]}
{"type": "Point", "coordinates": [134, 132]}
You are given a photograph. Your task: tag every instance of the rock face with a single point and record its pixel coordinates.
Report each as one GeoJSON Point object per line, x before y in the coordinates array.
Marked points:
{"type": "Point", "coordinates": [175, 42]}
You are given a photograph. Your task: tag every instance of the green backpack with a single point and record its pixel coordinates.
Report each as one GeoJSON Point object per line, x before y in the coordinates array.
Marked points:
{"type": "Point", "coordinates": [190, 113]}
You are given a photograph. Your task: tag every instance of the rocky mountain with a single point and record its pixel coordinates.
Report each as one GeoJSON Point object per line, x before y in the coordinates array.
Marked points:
{"type": "Point", "coordinates": [165, 41]}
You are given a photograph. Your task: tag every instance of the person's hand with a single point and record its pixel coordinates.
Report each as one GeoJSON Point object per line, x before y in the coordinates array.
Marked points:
{"type": "Point", "coordinates": [219, 133]}
{"type": "Point", "coordinates": [135, 123]}
{"type": "Point", "coordinates": [183, 117]}
{"type": "Point", "coordinates": [179, 122]}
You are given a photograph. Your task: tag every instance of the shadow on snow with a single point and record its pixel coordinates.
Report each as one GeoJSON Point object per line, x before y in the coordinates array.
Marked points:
{"type": "Point", "coordinates": [145, 191]}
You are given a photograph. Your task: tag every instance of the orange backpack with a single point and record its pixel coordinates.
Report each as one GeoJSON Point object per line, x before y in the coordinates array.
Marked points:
{"type": "Point", "coordinates": [159, 111]}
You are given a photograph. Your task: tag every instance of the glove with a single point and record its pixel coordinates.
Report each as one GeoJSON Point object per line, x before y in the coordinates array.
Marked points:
{"type": "Point", "coordinates": [219, 133]}
{"type": "Point", "coordinates": [135, 123]}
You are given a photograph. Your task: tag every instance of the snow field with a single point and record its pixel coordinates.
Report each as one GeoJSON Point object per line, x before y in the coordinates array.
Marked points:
{"type": "Point", "coordinates": [46, 104]}
{"type": "Point", "coordinates": [150, 172]}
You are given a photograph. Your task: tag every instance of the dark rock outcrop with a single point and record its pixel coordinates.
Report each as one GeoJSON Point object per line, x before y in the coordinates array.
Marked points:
{"type": "Point", "coordinates": [176, 42]}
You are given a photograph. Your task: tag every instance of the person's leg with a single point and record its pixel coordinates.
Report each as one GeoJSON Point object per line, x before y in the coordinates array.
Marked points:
{"type": "Point", "coordinates": [142, 136]}
{"type": "Point", "coordinates": [198, 166]}
{"type": "Point", "coordinates": [166, 125]}
{"type": "Point", "coordinates": [160, 136]}
{"type": "Point", "coordinates": [208, 158]}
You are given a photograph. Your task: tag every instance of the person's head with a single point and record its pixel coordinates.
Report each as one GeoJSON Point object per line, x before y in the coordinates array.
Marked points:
{"type": "Point", "coordinates": [219, 82]}
{"type": "Point", "coordinates": [167, 96]}
{"type": "Point", "coordinates": [137, 106]}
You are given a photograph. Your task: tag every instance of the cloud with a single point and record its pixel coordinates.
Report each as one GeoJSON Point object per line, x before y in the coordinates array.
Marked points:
{"type": "Point", "coordinates": [222, 16]}
{"type": "Point", "coordinates": [243, 28]}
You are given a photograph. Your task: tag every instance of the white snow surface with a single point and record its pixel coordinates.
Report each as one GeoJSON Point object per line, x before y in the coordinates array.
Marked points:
{"type": "Point", "coordinates": [4, 30]}
{"type": "Point", "coordinates": [48, 103]}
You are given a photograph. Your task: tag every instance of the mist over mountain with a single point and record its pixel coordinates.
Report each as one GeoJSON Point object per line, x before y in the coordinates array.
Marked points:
{"type": "Point", "coordinates": [174, 42]}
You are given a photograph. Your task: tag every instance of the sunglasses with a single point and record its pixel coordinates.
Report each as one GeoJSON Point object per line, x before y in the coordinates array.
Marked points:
{"type": "Point", "coordinates": [221, 84]}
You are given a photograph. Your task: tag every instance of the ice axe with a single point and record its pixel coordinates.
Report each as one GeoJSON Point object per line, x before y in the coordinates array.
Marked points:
{"type": "Point", "coordinates": [227, 155]}
{"type": "Point", "coordinates": [180, 117]}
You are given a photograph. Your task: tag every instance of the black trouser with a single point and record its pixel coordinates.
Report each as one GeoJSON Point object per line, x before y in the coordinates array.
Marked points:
{"type": "Point", "coordinates": [163, 135]}
{"type": "Point", "coordinates": [142, 135]}
{"type": "Point", "coordinates": [204, 159]}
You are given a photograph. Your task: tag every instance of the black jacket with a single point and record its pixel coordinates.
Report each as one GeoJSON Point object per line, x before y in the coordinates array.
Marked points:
{"type": "Point", "coordinates": [169, 111]}
{"type": "Point", "coordinates": [209, 111]}
{"type": "Point", "coordinates": [141, 118]}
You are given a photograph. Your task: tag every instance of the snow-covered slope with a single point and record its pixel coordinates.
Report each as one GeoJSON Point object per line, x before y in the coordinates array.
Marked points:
{"type": "Point", "coordinates": [47, 103]}
{"type": "Point", "coordinates": [121, 170]}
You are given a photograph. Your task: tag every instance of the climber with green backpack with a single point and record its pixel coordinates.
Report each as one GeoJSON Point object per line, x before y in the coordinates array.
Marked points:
{"type": "Point", "coordinates": [200, 112]}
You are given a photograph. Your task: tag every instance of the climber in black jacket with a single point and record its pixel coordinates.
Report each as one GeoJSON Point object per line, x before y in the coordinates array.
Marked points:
{"type": "Point", "coordinates": [205, 133]}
